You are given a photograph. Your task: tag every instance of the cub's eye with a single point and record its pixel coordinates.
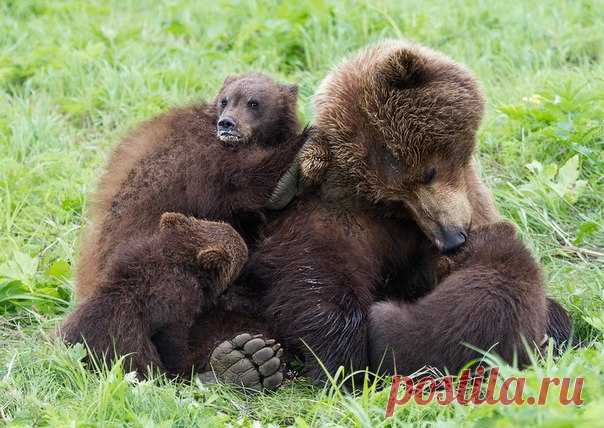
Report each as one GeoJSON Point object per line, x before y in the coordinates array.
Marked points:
{"type": "Point", "coordinates": [429, 175]}
{"type": "Point", "coordinates": [223, 102]}
{"type": "Point", "coordinates": [252, 104]}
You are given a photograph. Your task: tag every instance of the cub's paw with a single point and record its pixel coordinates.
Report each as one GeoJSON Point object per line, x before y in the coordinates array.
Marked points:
{"type": "Point", "coordinates": [308, 169]}
{"type": "Point", "coordinates": [249, 361]}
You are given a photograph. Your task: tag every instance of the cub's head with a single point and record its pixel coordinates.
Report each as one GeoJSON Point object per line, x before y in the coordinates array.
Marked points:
{"type": "Point", "coordinates": [253, 108]}
{"type": "Point", "coordinates": [213, 246]}
{"type": "Point", "coordinates": [399, 121]}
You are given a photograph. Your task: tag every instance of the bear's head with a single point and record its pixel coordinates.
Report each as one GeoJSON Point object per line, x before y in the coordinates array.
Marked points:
{"type": "Point", "coordinates": [254, 108]}
{"type": "Point", "coordinates": [396, 126]}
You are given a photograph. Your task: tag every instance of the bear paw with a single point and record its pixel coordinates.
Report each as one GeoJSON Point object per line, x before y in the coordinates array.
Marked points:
{"type": "Point", "coordinates": [314, 160]}
{"type": "Point", "coordinates": [250, 361]}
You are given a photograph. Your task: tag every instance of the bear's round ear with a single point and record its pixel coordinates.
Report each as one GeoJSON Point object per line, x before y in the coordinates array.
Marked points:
{"type": "Point", "coordinates": [404, 69]}
{"type": "Point", "coordinates": [229, 79]}
{"type": "Point", "coordinates": [292, 90]}
{"type": "Point", "coordinates": [174, 222]}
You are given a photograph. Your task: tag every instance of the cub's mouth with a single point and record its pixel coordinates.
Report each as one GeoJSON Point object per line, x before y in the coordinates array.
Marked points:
{"type": "Point", "coordinates": [229, 136]}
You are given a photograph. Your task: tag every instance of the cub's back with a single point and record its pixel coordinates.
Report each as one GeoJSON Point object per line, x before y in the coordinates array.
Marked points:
{"type": "Point", "coordinates": [132, 194]}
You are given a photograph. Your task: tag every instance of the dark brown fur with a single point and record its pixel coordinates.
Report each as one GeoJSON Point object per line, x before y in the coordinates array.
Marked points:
{"type": "Point", "coordinates": [154, 288]}
{"type": "Point", "coordinates": [130, 284]}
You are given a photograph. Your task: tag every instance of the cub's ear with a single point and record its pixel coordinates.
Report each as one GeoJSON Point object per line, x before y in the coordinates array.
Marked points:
{"type": "Point", "coordinates": [292, 90]}
{"type": "Point", "coordinates": [307, 170]}
{"type": "Point", "coordinates": [213, 257]}
{"type": "Point", "coordinates": [503, 229]}
{"type": "Point", "coordinates": [229, 79]}
{"type": "Point", "coordinates": [174, 222]}
{"type": "Point", "coordinates": [404, 69]}
{"type": "Point", "coordinates": [495, 230]}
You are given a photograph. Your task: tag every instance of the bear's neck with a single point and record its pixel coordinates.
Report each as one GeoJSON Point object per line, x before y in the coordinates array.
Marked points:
{"type": "Point", "coordinates": [338, 190]}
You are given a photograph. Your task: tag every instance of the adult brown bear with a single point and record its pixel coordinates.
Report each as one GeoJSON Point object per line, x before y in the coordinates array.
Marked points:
{"type": "Point", "coordinates": [391, 186]}
{"type": "Point", "coordinates": [148, 265]}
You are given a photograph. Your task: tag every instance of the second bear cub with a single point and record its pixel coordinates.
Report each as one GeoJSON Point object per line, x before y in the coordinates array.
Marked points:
{"type": "Point", "coordinates": [494, 285]}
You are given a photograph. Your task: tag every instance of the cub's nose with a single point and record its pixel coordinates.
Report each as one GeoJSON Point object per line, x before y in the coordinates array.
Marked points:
{"type": "Point", "coordinates": [453, 239]}
{"type": "Point", "coordinates": [226, 123]}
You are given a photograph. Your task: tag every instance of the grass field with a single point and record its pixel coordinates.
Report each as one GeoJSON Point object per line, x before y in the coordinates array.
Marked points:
{"type": "Point", "coordinates": [76, 75]}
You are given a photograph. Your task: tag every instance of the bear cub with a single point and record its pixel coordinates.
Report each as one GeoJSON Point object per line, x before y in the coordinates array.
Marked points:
{"type": "Point", "coordinates": [154, 288]}
{"type": "Point", "coordinates": [506, 287]}
{"type": "Point", "coordinates": [146, 271]}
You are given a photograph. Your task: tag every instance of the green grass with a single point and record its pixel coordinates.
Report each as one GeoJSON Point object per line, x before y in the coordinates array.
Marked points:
{"type": "Point", "coordinates": [76, 75]}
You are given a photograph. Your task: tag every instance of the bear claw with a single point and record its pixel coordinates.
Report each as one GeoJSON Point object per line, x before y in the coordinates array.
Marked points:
{"type": "Point", "coordinates": [250, 361]}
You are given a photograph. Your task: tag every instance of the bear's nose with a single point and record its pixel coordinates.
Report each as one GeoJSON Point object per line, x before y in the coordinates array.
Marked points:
{"type": "Point", "coordinates": [453, 239]}
{"type": "Point", "coordinates": [226, 123]}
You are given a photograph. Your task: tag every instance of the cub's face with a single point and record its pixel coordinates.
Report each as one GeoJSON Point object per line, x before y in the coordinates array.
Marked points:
{"type": "Point", "coordinates": [253, 108]}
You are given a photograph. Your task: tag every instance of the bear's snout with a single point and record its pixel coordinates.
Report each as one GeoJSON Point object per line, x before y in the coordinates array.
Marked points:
{"type": "Point", "coordinates": [451, 239]}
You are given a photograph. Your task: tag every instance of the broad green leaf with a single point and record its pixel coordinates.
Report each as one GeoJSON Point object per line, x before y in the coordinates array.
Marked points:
{"type": "Point", "coordinates": [569, 173]}
{"type": "Point", "coordinates": [58, 269]}
{"type": "Point", "coordinates": [586, 230]}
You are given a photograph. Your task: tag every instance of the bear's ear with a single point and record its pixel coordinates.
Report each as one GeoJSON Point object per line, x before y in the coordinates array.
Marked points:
{"type": "Point", "coordinates": [174, 222]}
{"type": "Point", "coordinates": [503, 229]}
{"type": "Point", "coordinates": [229, 79]}
{"type": "Point", "coordinates": [291, 90]}
{"type": "Point", "coordinates": [404, 69]}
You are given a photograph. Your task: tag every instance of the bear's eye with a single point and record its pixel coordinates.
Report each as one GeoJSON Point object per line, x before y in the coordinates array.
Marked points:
{"type": "Point", "coordinates": [224, 102]}
{"type": "Point", "coordinates": [429, 175]}
{"type": "Point", "coordinates": [253, 104]}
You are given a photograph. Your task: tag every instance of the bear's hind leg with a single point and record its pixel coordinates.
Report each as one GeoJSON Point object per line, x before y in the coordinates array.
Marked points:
{"type": "Point", "coordinates": [110, 327]}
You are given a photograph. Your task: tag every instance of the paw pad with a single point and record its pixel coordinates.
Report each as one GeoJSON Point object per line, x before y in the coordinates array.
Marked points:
{"type": "Point", "coordinates": [250, 361]}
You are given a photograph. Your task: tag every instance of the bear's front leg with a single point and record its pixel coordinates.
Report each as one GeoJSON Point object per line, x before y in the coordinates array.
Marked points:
{"type": "Point", "coordinates": [318, 304]}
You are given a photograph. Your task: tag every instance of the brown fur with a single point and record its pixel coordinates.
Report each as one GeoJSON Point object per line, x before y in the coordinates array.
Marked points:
{"type": "Point", "coordinates": [492, 300]}
{"type": "Point", "coordinates": [129, 273]}
{"type": "Point", "coordinates": [155, 288]}
{"type": "Point", "coordinates": [166, 164]}
{"type": "Point", "coordinates": [377, 219]}
{"type": "Point", "coordinates": [410, 109]}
